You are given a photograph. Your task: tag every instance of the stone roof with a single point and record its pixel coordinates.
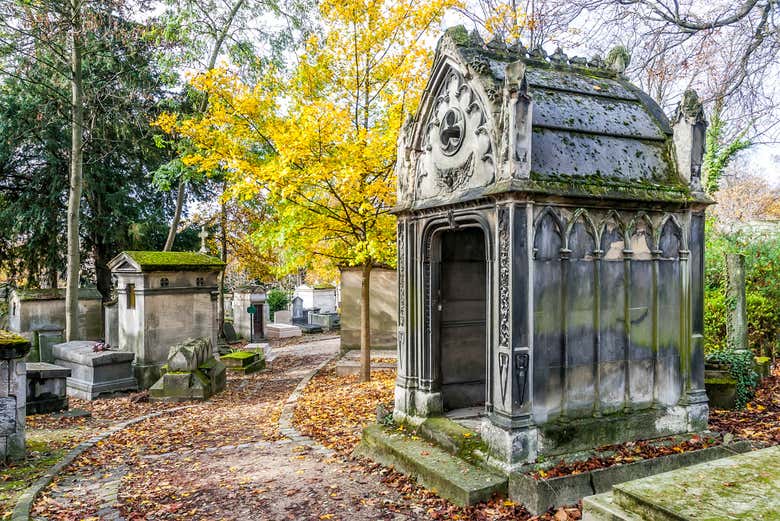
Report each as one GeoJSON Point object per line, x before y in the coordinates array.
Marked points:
{"type": "Point", "coordinates": [167, 261]}
{"type": "Point", "coordinates": [32, 294]}
{"type": "Point", "coordinates": [589, 127]}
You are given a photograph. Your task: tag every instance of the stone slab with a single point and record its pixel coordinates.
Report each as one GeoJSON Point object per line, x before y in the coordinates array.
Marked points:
{"type": "Point", "coordinates": [80, 352]}
{"type": "Point", "coordinates": [46, 388]}
{"type": "Point", "coordinates": [539, 495]}
{"type": "Point", "coordinates": [437, 470]}
{"type": "Point", "coordinates": [279, 331]}
{"type": "Point", "coordinates": [268, 353]}
{"type": "Point", "coordinates": [282, 317]}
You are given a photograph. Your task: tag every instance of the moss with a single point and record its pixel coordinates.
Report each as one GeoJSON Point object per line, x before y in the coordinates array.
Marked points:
{"type": "Point", "coordinates": [174, 260]}
{"type": "Point", "coordinates": [459, 35]}
{"type": "Point", "coordinates": [16, 477]}
{"type": "Point", "coordinates": [56, 294]}
{"type": "Point", "coordinates": [8, 339]}
{"type": "Point", "coordinates": [240, 355]}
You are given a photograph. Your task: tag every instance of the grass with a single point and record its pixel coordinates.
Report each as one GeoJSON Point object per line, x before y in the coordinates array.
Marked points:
{"type": "Point", "coordinates": [16, 477]}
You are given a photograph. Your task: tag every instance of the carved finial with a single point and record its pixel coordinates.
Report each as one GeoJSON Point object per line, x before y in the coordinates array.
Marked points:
{"type": "Point", "coordinates": [618, 59]}
{"type": "Point", "coordinates": [690, 108]}
{"type": "Point", "coordinates": [497, 43]}
{"type": "Point", "coordinates": [518, 48]}
{"type": "Point", "coordinates": [203, 236]}
{"type": "Point", "coordinates": [596, 62]}
{"type": "Point", "coordinates": [559, 57]}
{"type": "Point", "coordinates": [579, 61]}
{"type": "Point", "coordinates": [475, 39]}
{"type": "Point", "coordinates": [537, 53]}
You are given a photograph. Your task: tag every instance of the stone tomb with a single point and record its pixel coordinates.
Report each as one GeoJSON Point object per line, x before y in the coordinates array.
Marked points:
{"type": "Point", "coordinates": [242, 321]}
{"type": "Point", "coordinates": [164, 299]}
{"type": "Point", "coordinates": [383, 310]}
{"type": "Point", "coordinates": [13, 390]}
{"type": "Point", "coordinates": [550, 254]}
{"type": "Point", "coordinates": [321, 297]}
{"type": "Point", "coordinates": [281, 331]}
{"type": "Point", "coordinates": [95, 373]}
{"type": "Point", "coordinates": [191, 373]}
{"type": "Point", "coordinates": [47, 389]}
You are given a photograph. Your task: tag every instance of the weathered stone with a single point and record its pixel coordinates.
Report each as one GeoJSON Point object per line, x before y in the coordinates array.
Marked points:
{"type": "Point", "coordinates": [244, 362]}
{"type": "Point", "coordinates": [13, 390]}
{"type": "Point", "coordinates": [47, 389]}
{"type": "Point", "coordinates": [280, 331]}
{"type": "Point", "coordinates": [737, 322]}
{"type": "Point", "coordinates": [738, 487]}
{"type": "Point", "coordinates": [282, 317]}
{"type": "Point", "coordinates": [384, 308]}
{"type": "Point", "coordinates": [721, 389]}
{"type": "Point", "coordinates": [192, 373]}
{"type": "Point", "coordinates": [32, 310]}
{"type": "Point", "coordinates": [95, 373]}
{"type": "Point", "coordinates": [251, 327]}
{"type": "Point", "coordinates": [164, 299]}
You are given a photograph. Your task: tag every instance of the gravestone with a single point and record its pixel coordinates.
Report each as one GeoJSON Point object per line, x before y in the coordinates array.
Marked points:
{"type": "Point", "coordinates": [737, 322]}
{"type": "Point", "coordinates": [95, 373]}
{"type": "Point", "coordinates": [192, 373]}
{"type": "Point", "coordinates": [46, 388]}
{"type": "Point", "coordinates": [46, 340]}
{"type": "Point", "coordinates": [283, 317]}
{"type": "Point", "coordinates": [229, 332]}
{"type": "Point", "coordinates": [298, 314]}
{"type": "Point", "coordinates": [13, 390]}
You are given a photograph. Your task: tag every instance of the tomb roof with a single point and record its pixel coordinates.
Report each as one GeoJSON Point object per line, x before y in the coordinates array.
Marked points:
{"type": "Point", "coordinates": [31, 294]}
{"type": "Point", "coordinates": [169, 261]}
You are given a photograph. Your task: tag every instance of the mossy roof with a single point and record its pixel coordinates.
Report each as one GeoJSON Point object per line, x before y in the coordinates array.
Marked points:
{"type": "Point", "coordinates": [56, 294]}
{"type": "Point", "coordinates": [174, 261]}
{"type": "Point", "coordinates": [8, 339]}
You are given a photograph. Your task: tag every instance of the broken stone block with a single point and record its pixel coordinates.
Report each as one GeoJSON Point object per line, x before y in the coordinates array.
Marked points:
{"type": "Point", "coordinates": [192, 373]}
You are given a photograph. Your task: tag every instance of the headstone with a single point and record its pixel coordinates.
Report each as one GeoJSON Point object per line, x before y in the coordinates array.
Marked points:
{"type": "Point", "coordinates": [47, 339]}
{"type": "Point", "coordinates": [46, 388]}
{"type": "Point", "coordinates": [328, 321]}
{"type": "Point", "coordinates": [94, 373]}
{"type": "Point", "coordinates": [13, 390]}
{"type": "Point", "coordinates": [280, 331]}
{"type": "Point", "coordinates": [736, 325]}
{"type": "Point", "coordinates": [298, 315]}
{"type": "Point", "coordinates": [282, 317]}
{"type": "Point", "coordinates": [229, 332]}
{"type": "Point", "coordinates": [192, 373]}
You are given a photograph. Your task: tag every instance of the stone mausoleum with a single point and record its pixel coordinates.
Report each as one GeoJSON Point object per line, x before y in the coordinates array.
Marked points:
{"type": "Point", "coordinates": [163, 299]}
{"type": "Point", "coordinates": [550, 253]}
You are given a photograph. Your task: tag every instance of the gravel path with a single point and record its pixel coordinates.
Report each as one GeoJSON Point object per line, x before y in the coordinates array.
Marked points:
{"type": "Point", "coordinates": [225, 459]}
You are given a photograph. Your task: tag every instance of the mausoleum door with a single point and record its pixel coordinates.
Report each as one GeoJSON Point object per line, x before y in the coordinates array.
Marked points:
{"type": "Point", "coordinates": [461, 300]}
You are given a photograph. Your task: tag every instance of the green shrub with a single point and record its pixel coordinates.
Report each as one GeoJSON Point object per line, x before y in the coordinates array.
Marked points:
{"type": "Point", "coordinates": [762, 281]}
{"type": "Point", "coordinates": [277, 300]}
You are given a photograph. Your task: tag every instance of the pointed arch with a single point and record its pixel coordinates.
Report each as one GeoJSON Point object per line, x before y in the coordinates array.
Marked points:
{"type": "Point", "coordinates": [578, 248]}
{"type": "Point", "coordinates": [612, 236]}
{"type": "Point", "coordinates": [669, 237]}
{"type": "Point", "coordinates": [548, 235]}
{"type": "Point", "coordinates": [640, 236]}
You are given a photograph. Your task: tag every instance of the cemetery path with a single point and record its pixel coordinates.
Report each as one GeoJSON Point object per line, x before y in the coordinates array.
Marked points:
{"type": "Point", "coordinates": [225, 459]}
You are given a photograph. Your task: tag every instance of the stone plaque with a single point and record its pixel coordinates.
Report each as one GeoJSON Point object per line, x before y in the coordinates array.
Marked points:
{"type": "Point", "coordinates": [7, 415]}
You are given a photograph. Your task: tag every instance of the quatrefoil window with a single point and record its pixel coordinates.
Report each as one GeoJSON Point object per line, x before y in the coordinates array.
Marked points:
{"type": "Point", "coordinates": [451, 131]}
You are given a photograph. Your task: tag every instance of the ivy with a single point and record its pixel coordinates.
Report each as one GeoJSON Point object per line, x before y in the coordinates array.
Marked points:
{"type": "Point", "coordinates": [741, 368]}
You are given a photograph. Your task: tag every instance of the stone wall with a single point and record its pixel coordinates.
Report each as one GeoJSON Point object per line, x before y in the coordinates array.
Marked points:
{"type": "Point", "coordinates": [384, 308]}
{"type": "Point", "coordinates": [34, 310]}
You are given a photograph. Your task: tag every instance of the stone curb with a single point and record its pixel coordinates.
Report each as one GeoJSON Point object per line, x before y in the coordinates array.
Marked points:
{"type": "Point", "coordinates": [286, 427]}
{"type": "Point", "coordinates": [24, 504]}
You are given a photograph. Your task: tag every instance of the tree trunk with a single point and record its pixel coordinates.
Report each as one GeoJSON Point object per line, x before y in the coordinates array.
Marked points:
{"type": "Point", "coordinates": [176, 216]}
{"type": "Point", "coordinates": [223, 239]}
{"type": "Point", "coordinates": [74, 197]}
{"type": "Point", "coordinates": [365, 324]}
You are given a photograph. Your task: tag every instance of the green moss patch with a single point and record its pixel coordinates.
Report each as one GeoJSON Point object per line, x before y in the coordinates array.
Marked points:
{"type": "Point", "coordinates": [16, 477]}
{"type": "Point", "coordinates": [8, 339]}
{"type": "Point", "coordinates": [174, 260]}
{"type": "Point", "coordinates": [239, 355]}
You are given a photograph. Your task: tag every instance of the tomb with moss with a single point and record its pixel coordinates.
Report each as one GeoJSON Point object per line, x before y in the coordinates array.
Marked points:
{"type": "Point", "coordinates": [550, 254]}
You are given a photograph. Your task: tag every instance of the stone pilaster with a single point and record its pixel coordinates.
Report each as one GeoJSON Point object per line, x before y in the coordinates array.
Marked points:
{"type": "Point", "coordinates": [13, 395]}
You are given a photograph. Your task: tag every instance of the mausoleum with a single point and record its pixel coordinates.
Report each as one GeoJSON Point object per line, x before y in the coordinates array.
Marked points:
{"type": "Point", "coordinates": [163, 299]}
{"type": "Point", "coordinates": [550, 253]}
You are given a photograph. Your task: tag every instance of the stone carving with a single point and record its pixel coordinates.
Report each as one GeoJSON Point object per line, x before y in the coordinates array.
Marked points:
{"type": "Point", "coordinates": [521, 375]}
{"type": "Point", "coordinates": [503, 276]}
{"type": "Point", "coordinates": [618, 59]}
{"type": "Point", "coordinates": [503, 373]}
{"type": "Point", "coordinates": [453, 178]}
{"type": "Point", "coordinates": [402, 295]}
{"type": "Point", "coordinates": [690, 128]}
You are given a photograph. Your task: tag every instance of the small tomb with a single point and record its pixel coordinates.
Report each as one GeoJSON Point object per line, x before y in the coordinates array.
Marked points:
{"type": "Point", "coordinates": [163, 299]}
{"type": "Point", "coordinates": [13, 390]}
{"type": "Point", "coordinates": [47, 389]}
{"type": "Point", "coordinates": [282, 331]}
{"type": "Point", "coordinates": [251, 326]}
{"type": "Point", "coordinates": [95, 373]}
{"type": "Point", "coordinates": [191, 373]}
{"type": "Point", "coordinates": [244, 361]}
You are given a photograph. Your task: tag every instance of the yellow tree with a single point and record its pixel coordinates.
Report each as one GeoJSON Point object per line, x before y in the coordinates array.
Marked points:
{"type": "Point", "coordinates": [319, 146]}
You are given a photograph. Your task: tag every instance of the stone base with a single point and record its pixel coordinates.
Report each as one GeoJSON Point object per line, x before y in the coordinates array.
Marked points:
{"type": "Point", "coordinates": [46, 388]}
{"type": "Point", "coordinates": [279, 331]}
{"type": "Point", "coordinates": [434, 468]}
{"type": "Point", "coordinates": [95, 373]}
{"type": "Point", "coordinates": [721, 389]}
{"type": "Point", "coordinates": [244, 362]}
{"type": "Point", "coordinates": [539, 495]}
{"type": "Point", "coordinates": [147, 374]}
{"type": "Point", "coordinates": [737, 487]}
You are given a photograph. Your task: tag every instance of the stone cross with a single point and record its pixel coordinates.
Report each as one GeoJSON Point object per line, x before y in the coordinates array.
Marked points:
{"type": "Point", "coordinates": [203, 236]}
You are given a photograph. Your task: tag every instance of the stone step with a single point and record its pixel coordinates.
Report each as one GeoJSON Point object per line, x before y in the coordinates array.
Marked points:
{"type": "Point", "coordinates": [456, 439]}
{"type": "Point", "coordinates": [602, 507]}
{"type": "Point", "coordinates": [434, 468]}
{"type": "Point", "coordinates": [738, 487]}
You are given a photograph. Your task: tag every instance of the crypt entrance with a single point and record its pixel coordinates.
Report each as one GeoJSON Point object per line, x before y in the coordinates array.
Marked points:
{"type": "Point", "coordinates": [460, 303]}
